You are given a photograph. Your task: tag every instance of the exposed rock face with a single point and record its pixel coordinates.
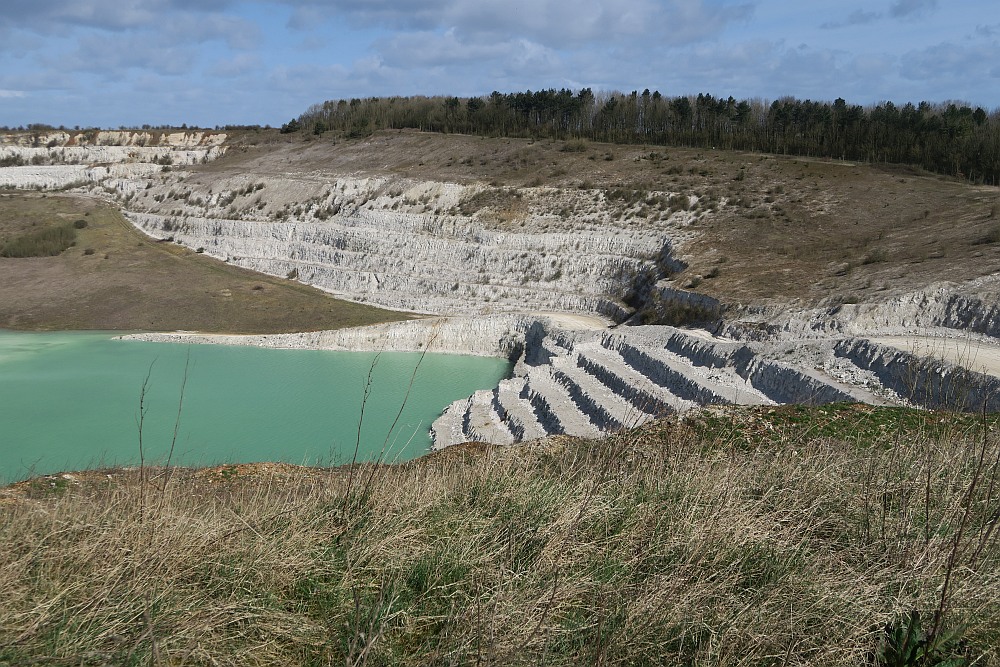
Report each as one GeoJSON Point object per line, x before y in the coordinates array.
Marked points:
{"type": "Point", "coordinates": [401, 261]}
{"type": "Point", "coordinates": [923, 380]}
{"type": "Point", "coordinates": [59, 177]}
{"type": "Point", "coordinates": [87, 155]}
{"type": "Point", "coordinates": [54, 138]}
{"type": "Point", "coordinates": [972, 307]}
{"type": "Point", "coordinates": [418, 246]}
{"type": "Point", "coordinates": [490, 336]}
{"type": "Point", "coordinates": [427, 247]}
{"type": "Point", "coordinates": [584, 383]}
{"type": "Point", "coordinates": [111, 160]}
{"type": "Point", "coordinates": [498, 253]}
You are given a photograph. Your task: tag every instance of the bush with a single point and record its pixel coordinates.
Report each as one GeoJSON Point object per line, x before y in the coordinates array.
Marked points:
{"type": "Point", "coordinates": [876, 256]}
{"type": "Point", "coordinates": [574, 146]}
{"type": "Point", "coordinates": [679, 314]}
{"type": "Point", "coordinates": [80, 224]}
{"type": "Point", "coordinates": [88, 251]}
{"type": "Point", "coordinates": [41, 243]}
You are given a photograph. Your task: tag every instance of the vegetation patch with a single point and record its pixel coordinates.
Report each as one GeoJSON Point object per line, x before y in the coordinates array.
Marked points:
{"type": "Point", "coordinates": [677, 313]}
{"type": "Point", "coordinates": [45, 242]}
{"type": "Point", "coordinates": [821, 535]}
{"type": "Point", "coordinates": [502, 205]}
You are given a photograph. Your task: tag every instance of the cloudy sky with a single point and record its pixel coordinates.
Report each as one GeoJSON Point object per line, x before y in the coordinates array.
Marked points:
{"type": "Point", "coordinates": [213, 62]}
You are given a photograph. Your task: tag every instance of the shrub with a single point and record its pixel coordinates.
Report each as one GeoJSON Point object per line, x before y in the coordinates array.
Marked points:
{"type": "Point", "coordinates": [80, 224]}
{"type": "Point", "coordinates": [875, 256]}
{"type": "Point", "coordinates": [40, 243]}
{"type": "Point", "coordinates": [574, 146]}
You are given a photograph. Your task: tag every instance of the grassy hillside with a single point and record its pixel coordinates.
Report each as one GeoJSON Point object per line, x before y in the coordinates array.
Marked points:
{"type": "Point", "coordinates": [113, 277]}
{"type": "Point", "coordinates": [743, 536]}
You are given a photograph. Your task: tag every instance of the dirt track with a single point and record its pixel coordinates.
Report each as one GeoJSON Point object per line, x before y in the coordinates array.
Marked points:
{"type": "Point", "coordinates": [974, 354]}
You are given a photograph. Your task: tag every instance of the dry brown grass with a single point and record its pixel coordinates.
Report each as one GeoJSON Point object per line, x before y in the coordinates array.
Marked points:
{"type": "Point", "coordinates": [782, 228]}
{"type": "Point", "coordinates": [675, 544]}
{"type": "Point", "coordinates": [115, 278]}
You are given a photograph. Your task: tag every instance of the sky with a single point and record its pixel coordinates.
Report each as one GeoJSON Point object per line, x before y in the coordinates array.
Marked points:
{"type": "Point", "coordinates": [112, 63]}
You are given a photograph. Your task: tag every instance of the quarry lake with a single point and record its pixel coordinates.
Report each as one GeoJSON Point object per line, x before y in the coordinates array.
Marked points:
{"type": "Point", "coordinates": [71, 401]}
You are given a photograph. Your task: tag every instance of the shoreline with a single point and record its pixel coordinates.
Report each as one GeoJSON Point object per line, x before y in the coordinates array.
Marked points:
{"type": "Point", "coordinates": [500, 335]}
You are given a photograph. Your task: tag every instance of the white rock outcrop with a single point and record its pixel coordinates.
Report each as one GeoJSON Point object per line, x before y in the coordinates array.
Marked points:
{"type": "Point", "coordinates": [496, 253]}
{"type": "Point", "coordinates": [393, 261]}
{"type": "Point", "coordinates": [53, 138]}
{"type": "Point", "coordinates": [491, 336]}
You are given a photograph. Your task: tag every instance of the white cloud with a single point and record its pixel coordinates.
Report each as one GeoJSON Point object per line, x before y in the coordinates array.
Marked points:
{"type": "Point", "coordinates": [855, 18]}
{"type": "Point", "coordinates": [156, 55]}
{"type": "Point", "coordinates": [428, 49]}
{"type": "Point", "coordinates": [187, 28]}
{"type": "Point", "coordinates": [949, 62]}
{"type": "Point", "coordinates": [11, 94]}
{"type": "Point", "coordinates": [554, 23]}
{"type": "Point", "coordinates": [237, 66]}
{"type": "Point", "coordinates": [44, 15]}
{"type": "Point", "coordinates": [306, 18]}
{"type": "Point", "coordinates": [911, 8]}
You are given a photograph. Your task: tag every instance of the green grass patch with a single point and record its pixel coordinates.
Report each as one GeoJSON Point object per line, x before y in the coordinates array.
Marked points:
{"type": "Point", "coordinates": [46, 242]}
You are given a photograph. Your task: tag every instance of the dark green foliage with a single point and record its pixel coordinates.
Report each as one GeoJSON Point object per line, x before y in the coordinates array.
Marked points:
{"type": "Point", "coordinates": [79, 224]}
{"type": "Point", "coordinates": [905, 643]}
{"type": "Point", "coordinates": [684, 314]}
{"type": "Point", "coordinates": [679, 314]}
{"type": "Point", "coordinates": [291, 126]}
{"type": "Point", "coordinates": [41, 243]}
{"type": "Point", "coordinates": [946, 138]}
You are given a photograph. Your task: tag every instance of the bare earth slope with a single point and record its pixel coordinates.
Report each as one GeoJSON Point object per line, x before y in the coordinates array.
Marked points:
{"type": "Point", "coordinates": [115, 278]}
{"type": "Point", "coordinates": [775, 228]}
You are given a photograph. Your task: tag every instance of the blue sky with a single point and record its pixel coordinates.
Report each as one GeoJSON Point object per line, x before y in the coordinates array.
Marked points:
{"type": "Point", "coordinates": [213, 62]}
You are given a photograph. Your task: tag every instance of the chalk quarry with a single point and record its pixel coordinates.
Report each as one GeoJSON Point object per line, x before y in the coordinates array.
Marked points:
{"type": "Point", "coordinates": [505, 269]}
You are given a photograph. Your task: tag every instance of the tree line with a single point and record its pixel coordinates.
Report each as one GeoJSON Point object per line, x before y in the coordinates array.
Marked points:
{"type": "Point", "coordinates": [948, 138]}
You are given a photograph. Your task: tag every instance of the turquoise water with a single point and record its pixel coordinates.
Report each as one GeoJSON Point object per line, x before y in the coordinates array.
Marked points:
{"type": "Point", "coordinates": [70, 401]}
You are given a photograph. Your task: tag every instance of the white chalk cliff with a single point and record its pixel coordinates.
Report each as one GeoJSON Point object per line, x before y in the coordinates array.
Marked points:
{"type": "Point", "coordinates": [448, 248]}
